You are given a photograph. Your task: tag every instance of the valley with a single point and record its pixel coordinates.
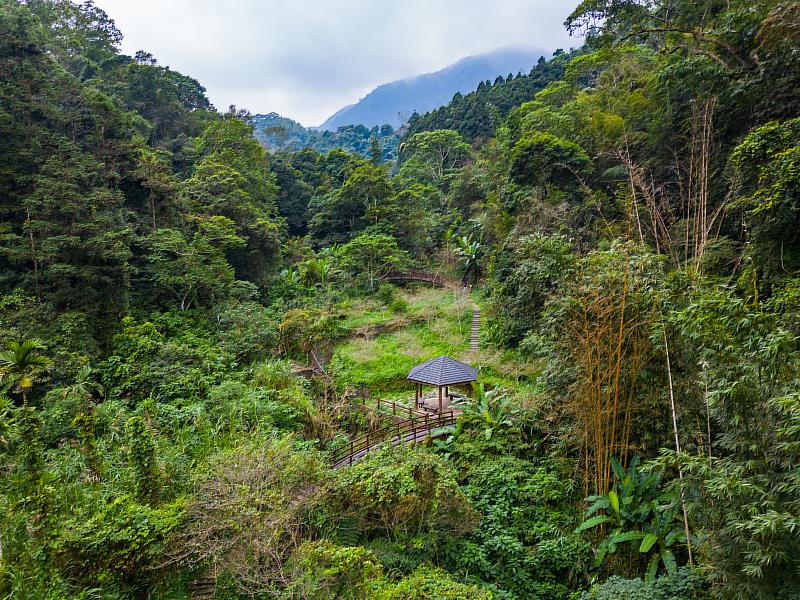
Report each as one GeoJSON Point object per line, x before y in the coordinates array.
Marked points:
{"type": "Point", "coordinates": [535, 338]}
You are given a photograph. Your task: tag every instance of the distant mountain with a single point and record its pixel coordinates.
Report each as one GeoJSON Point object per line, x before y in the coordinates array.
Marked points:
{"type": "Point", "coordinates": [395, 102]}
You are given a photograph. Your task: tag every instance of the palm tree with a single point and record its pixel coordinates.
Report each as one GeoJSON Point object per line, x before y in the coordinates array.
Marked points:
{"type": "Point", "coordinates": [85, 386]}
{"type": "Point", "coordinates": [22, 361]}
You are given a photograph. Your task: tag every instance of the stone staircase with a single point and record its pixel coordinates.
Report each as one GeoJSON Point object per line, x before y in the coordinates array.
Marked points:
{"type": "Point", "coordinates": [475, 329]}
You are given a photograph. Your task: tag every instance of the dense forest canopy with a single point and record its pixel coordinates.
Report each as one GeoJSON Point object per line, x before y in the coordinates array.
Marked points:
{"type": "Point", "coordinates": [194, 329]}
{"type": "Point", "coordinates": [278, 133]}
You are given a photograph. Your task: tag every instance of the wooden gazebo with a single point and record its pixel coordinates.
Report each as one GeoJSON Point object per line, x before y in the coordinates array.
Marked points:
{"type": "Point", "coordinates": [441, 372]}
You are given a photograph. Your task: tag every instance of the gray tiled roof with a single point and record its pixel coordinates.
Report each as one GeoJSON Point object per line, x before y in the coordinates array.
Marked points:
{"type": "Point", "coordinates": [443, 370]}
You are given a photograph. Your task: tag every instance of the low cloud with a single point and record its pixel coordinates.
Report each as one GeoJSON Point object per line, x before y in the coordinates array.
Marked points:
{"type": "Point", "coordinates": [306, 59]}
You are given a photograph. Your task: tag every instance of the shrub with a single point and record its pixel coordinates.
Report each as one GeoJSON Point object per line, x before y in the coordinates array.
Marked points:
{"type": "Point", "coordinates": [322, 571]}
{"type": "Point", "coordinates": [247, 516]}
{"type": "Point", "coordinates": [386, 293]}
{"type": "Point", "coordinates": [106, 541]}
{"type": "Point", "coordinates": [403, 492]}
{"type": "Point", "coordinates": [398, 305]}
{"type": "Point", "coordinates": [429, 583]}
{"type": "Point", "coordinates": [246, 330]}
{"type": "Point", "coordinates": [523, 543]}
{"type": "Point", "coordinates": [685, 584]}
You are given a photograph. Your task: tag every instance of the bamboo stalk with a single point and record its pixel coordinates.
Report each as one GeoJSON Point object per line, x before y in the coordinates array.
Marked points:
{"type": "Point", "coordinates": [677, 448]}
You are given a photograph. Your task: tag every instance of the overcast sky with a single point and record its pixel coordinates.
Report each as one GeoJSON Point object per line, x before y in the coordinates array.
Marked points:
{"type": "Point", "coordinates": [306, 59]}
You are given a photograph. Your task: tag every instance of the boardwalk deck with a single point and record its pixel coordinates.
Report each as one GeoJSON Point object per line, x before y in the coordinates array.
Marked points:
{"type": "Point", "coordinates": [411, 431]}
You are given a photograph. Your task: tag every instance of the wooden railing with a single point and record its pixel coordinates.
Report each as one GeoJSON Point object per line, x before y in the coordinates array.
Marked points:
{"type": "Point", "coordinates": [403, 432]}
{"type": "Point", "coordinates": [421, 276]}
{"type": "Point", "coordinates": [390, 407]}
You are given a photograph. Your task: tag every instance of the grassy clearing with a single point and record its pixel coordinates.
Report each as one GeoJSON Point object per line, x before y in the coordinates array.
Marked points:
{"type": "Point", "coordinates": [432, 322]}
{"type": "Point", "coordinates": [385, 344]}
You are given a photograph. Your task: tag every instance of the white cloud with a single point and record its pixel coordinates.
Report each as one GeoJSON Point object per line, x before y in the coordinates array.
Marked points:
{"type": "Point", "coordinates": [307, 58]}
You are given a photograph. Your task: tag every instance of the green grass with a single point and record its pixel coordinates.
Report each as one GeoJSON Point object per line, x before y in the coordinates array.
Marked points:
{"type": "Point", "coordinates": [384, 345]}
{"type": "Point", "coordinates": [435, 322]}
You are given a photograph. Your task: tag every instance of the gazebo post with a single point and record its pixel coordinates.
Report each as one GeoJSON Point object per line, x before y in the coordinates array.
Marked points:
{"type": "Point", "coordinates": [440, 399]}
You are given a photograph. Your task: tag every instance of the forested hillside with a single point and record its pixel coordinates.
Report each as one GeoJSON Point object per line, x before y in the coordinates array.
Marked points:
{"type": "Point", "coordinates": [195, 332]}
{"type": "Point", "coordinates": [477, 114]}
{"type": "Point", "coordinates": [278, 133]}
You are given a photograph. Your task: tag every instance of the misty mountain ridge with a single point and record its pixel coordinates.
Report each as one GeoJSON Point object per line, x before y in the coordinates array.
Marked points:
{"type": "Point", "coordinates": [393, 103]}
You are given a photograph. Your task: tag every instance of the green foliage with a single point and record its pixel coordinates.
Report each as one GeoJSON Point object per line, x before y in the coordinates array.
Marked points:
{"type": "Point", "coordinates": [471, 253]}
{"type": "Point", "coordinates": [369, 257]}
{"type": "Point", "coordinates": [324, 570]}
{"type": "Point", "coordinates": [145, 362]}
{"type": "Point", "coordinates": [361, 200]}
{"type": "Point", "coordinates": [428, 583]}
{"type": "Point", "coordinates": [748, 492]}
{"type": "Point", "coordinates": [285, 135]}
{"type": "Point", "coordinates": [475, 115]}
{"type": "Point", "coordinates": [237, 407]}
{"type": "Point", "coordinates": [142, 456]}
{"type": "Point", "coordinates": [539, 266]}
{"type": "Point", "coordinates": [192, 272]}
{"type": "Point", "coordinates": [29, 427]}
{"type": "Point", "coordinates": [403, 494]}
{"type": "Point", "coordinates": [117, 540]}
{"type": "Point", "coordinates": [493, 409]}
{"type": "Point", "coordinates": [523, 542]}
{"type": "Point", "coordinates": [21, 362]}
{"type": "Point", "coordinates": [628, 210]}
{"type": "Point", "coordinates": [247, 513]}
{"type": "Point", "coordinates": [765, 169]}
{"type": "Point", "coordinates": [639, 513]}
{"type": "Point", "coordinates": [86, 422]}
{"type": "Point", "coordinates": [247, 330]}
{"type": "Point", "coordinates": [684, 584]}
{"type": "Point", "coordinates": [434, 156]}
{"type": "Point", "coordinates": [544, 159]}
{"type": "Point", "coordinates": [301, 330]}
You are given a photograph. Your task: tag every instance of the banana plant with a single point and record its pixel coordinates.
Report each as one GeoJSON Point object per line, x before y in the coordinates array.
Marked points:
{"type": "Point", "coordinates": [290, 277]}
{"type": "Point", "coordinates": [494, 408]}
{"type": "Point", "coordinates": [640, 514]}
{"type": "Point", "coordinates": [471, 253]}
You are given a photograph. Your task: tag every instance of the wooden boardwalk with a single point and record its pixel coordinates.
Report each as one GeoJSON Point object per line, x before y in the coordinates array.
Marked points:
{"type": "Point", "coordinates": [421, 277]}
{"type": "Point", "coordinates": [405, 432]}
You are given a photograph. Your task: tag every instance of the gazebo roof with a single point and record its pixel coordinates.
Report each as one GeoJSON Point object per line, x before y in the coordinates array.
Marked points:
{"type": "Point", "coordinates": [441, 371]}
